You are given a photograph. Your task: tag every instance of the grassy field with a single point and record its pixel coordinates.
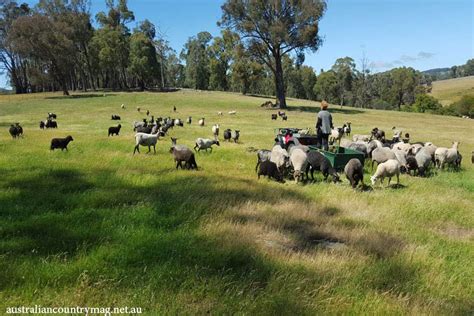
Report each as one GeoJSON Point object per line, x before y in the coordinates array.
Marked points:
{"type": "Point", "coordinates": [451, 90]}
{"type": "Point", "coordinates": [97, 226]}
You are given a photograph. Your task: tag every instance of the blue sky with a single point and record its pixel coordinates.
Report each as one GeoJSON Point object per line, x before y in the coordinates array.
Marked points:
{"type": "Point", "coordinates": [423, 34]}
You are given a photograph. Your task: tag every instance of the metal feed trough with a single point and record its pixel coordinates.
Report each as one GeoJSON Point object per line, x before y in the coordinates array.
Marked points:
{"type": "Point", "coordinates": [338, 156]}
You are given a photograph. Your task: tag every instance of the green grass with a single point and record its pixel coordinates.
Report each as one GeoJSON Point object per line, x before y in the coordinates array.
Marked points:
{"type": "Point", "coordinates": [97, 226]}
{"type": "Point", "coordinates": [452, 90]}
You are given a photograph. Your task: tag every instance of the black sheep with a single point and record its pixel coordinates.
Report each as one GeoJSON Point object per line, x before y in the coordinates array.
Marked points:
{"type": "Point", "coordinates": [227, 134]}
{"type": "Point", "coordinates": [236, 136]}
{"type": "Point", "coordinates": [61, 142]}
{"type": "Point", "coordinates": [115, 117]}
{"type": "Point", "coordinates": [262, 155]}
{"type": "Point", "coordinates": [14, 132]}
{"type": "Point", "coordinates": [284, 118]}
{"type": "Point", "coordinates": [354, 171]}
{"type": "Point", "coordinates": [51, 124]}
{"type": "Point", "coordinates": [316, 161]}
{"type": "Point", "coordinates": [114, 130]}
{"type": "Point", "coordinates": [42, 125]}
{"type": "Point", "coordinates": [52, 116]}
{"type": "Point", "coordinates": [274, 116]}
{"type": "Point", "coordinates": [411, 164]}
{"type": "Point", "coordinates": [144, 129]}
{"type": "Point", "coordinates": [378, 134]}
{"type": "Point", "coordinates": [269, 169]}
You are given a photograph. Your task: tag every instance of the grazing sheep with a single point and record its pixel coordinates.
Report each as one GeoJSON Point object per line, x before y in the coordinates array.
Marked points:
{"type": "Point", "coordinates": [336, 134]}
{"type": "Point", "coordinates": [284, 118]}
{"type": "Point", "coordinates": [189, 120]}
{"type": "Point", "coordinates": [115, 117]}
{"type": "Point", "coordinates": [147, 112]}
{"type": "Point", "coordinates": [299, 161]}
{"type": "Point", "coordinates": [406, 140]}
{"type": "Point", "coordinates": [137, 124]}
{"type": "Point", "coordinates": [262, 155]}
{"type": "Point", "coordinates": [60, 143]}
{"type": "Point", "coordinates": [378, 134]}
{"type": "Point", "coordinates": [42, 125]}
{"type": "Point", "coordinates": [201, 122]}
{"type": "Point", "coordinates": [115, 130]}
{"type": "Point", "coordinates": [382, 154]}
{"type": "Point", "coordinates": [236, 135]}
{"type": "Point", "coordinates": [402, 159]}
{"type": "Point", "coordinates": [281, 113]}
{"type": "Point", "coordinates": [354, 172]}
{"type": "Point", "coordinates": [205, 143]}
{"type": "Point", "coordinates": [372, 145]}
{"type": "Point", "coordinates": [406, 147]}
{"type": "Point", "coordinates": [148, 140]}
{"type": "Point", "coordinates": [174, 108]}
{"type": "Point", "coordinates": [215, 130]}
{"type": "Point", "coordinates": [416, 148]}
{"type": "Point", "coordinates": [317, 161]}
{"type": "Point", "coordinates": [14, 131]}
{"type": "Point", "coordinates": [52, 116]}
{"type": "Point", "coordinates": [232, 112]}
{"type": "Point", "coordinates": [388, 169]}
{"type": "Point", "coordinates": [361, 138]}
{"type": "Point", "coordinates": [178, 122]}
{"type": "Point", "coordinates": [123, 106]}
{"type": "Point", "coordinates": [280, 157]}
{"type": "Point", "coordinates": [219, 113]}
{"type": "Point", "coordinates": [269, 169]}
{"type": "Point", "coordinates": [457, 162]}
{"type": "Point", "coordinates": [227, 134]}
{"type": "Point", "coordinates": [144, 129]}
{"type": "Point", "coordinates": [446, 155]}
{"type": "Point", "coordinates": [51, 124]}
{"type": "Point", "coordinates": [411, 165]}
{"type": "Point", "coordinates": [423, 161]}
{"type": "Point", "coordinates": [155, 128]}
{"type": "Point", "coordinates": [359, 146]}
{"type": "Point", "coordinates": [181, 154]}
{"type": "Point", "coordinates": [138, 109]}
{"type": "Point", "coordinates": [431, 149]}
{"type": "Point", "coordinates": [274, 117]}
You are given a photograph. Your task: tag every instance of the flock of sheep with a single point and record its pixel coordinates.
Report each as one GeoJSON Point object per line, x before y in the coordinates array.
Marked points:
{"type": "Point", "coordinates": [392, 156]}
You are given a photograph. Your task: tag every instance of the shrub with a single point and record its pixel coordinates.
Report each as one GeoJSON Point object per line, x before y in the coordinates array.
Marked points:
{"type": "Point", "coordinates": [465, 106]}
{"type": "Point", "coordinates": [426, 103]}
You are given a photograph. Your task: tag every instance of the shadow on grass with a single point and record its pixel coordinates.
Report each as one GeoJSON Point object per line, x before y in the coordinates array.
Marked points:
{"type": "Point", "coordinates": [82, 96]}
{"type": "Point", "coordinates": [315, 109]}
{"type": "Point", "coordinates": [70, 213]}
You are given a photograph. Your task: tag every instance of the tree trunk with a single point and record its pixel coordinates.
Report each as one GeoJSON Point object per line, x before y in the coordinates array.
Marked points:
{"type": "Point", "coordinates": [279, 82]}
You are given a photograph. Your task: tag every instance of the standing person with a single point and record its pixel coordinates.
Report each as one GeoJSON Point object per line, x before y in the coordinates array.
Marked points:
{"type": "Point", "coordinates": [324, 126]}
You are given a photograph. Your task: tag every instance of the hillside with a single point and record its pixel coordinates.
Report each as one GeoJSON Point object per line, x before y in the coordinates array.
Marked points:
{"type": "Point", "coordinates": [99, 226]}
{"type": "Point", "coordinates": [451, 90]}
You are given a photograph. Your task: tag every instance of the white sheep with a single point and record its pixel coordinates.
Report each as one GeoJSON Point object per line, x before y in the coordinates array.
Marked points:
{"type": "Point", "coordinates": [144, 139]}
{"type": "Point", "coordinates": [201, 122]}
{"type": "Point", "coordinates": [219, 113]}
{"type": "Point", "coordinates": [445, 155]}
{"type": "Point", "coordinates": [381, 155]}
{"type": "Point", "coordinates": [299, 161]}
{"type": "Point", "coordinates": [402, 146]}
{"type": "Point", "coordinates": [363, 138]}
{"type": "Point", "coordinates": [122, 106]}
{"type": "Point", "coordinates": [387, 169]}
{"type": "Point", "coordinates": [215, 130]}
{"type": "Point", "coordinates": [205, 143]}
{"type": "Point", "coordinates": [232, 112]}
{"type": "Point", "coordinates": [401, 157]}
{"type": "Point", "coordinates": [280, 157]}
{"type": "Point", "coordinates": [423, 160]}
{"type": "Point", "coordinates": [336, 134]}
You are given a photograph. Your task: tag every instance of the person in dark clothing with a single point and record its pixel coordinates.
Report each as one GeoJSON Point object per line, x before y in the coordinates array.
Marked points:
{"type": "Point", "coordinates": [324, 126]}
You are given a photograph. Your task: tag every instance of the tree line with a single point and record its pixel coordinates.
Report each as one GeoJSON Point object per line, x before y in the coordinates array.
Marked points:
{"type": "Point", "coordinates": [54, 46]}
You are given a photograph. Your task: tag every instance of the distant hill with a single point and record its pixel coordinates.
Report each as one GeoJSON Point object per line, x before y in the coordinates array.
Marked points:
{"type": "Point", "coordinates": [5, 91]}
{"type": "Point", "coordinates": [437, 71]}
{"type": "Point", "coordinates": [451, 90]}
